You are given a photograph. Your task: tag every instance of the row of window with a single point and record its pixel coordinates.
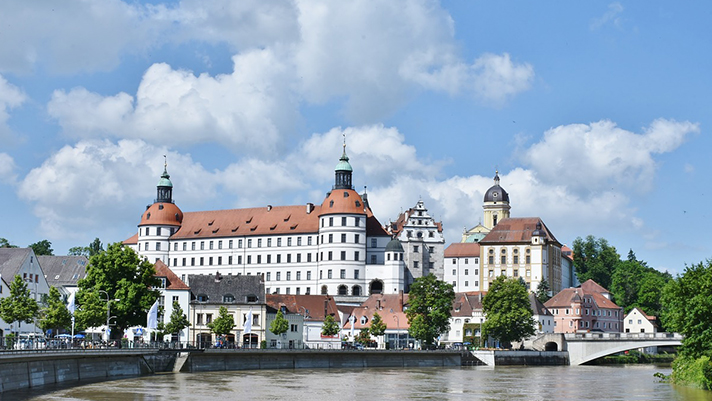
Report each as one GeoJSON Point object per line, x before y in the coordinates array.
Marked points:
{"type": "Point", "coordinates": [467, 272]}
{"type": "Point", "coordinates": [170, 231]}
{"type": "Point", "coordinates": [594, 312]}
{"type": "Point", "coordinates": [206, 318]}
{"type": "Point", "coordinates": [467, 283]}
{"type": "Point", "coordinates": [586, 324]}
{"type": "Point", "coordinates": [288, 290]}
{"type": "Point", "coordinates": [503, 272]}
{"type": "Point", "coordinates": [201, 261]}
{"type": "Point", "coordinates": [467, 261]}
{"type": "Point", "coordinates": [211, 244]}
{"type": "Point", "coordinates": [344, 221]}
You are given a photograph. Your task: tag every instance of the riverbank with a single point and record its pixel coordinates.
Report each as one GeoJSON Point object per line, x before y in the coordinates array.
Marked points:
{"type": "Point", "coordinates": [634, 357]}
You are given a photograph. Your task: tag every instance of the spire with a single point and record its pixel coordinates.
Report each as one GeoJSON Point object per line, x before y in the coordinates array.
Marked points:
{"type": "Point", "coordinates": [164, 189]}
{"type": "Point", "coordinates": [343, 171]}
{"type": "Point", "coordinates": [496, 177]}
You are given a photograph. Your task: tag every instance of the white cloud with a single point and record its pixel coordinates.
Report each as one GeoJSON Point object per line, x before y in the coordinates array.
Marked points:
{"type": "Point", "coordinates": [7, 169]}
{"type": "Point", "coordinates": [10, 97]}
{"type": "Point", "coordinates": [594, 158]}
{"type": "Point", "coordinates": [612, 15]}
{"type": "Point", "coordinates": [497, 78]}
{"type": "Point", "coordinates": [250, 110]}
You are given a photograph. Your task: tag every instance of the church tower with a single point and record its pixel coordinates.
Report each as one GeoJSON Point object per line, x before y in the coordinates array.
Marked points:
{"type": "Point", "coordinates": [496, 204]}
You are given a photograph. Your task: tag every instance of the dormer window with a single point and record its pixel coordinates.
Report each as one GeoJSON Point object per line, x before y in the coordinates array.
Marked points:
{"type": "Point", "coordinates": [251, 299]}
{"type": "Point", "coordinates": [228, 298]}
{"type": "Point", "coordinates": [202, 298]}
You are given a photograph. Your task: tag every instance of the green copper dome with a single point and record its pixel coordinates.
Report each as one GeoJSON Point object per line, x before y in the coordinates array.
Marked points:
{"type": "Point", "coordinates": [344, 164]}
{"type": "Point", "coordinates": [165, 180]}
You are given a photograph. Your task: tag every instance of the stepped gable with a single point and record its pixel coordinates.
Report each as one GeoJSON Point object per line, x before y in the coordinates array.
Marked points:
{"type": "Point", "coordinates": [462, 249]}
{"type": "Point", "coordinates": [247, 222]}
{"type": "Point", "coordinates": [517, 230]}
{"type": "Point", "coordinates": [63, 271]}
{"type": "Point", "coordinates": [172, 280]}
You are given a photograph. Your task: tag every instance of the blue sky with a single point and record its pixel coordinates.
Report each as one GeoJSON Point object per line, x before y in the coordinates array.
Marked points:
{"type": "Point", "coordinates": [594, 113]}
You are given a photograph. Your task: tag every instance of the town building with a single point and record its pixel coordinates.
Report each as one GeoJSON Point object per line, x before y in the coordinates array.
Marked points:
{"type": "Point", "coordinates": [585, 308]}
{"type": "Point", "coordinates": [462, 266]}
{"type": "Point", "coordinates": [21, 262]}
{"type": "Point", "coordinates": [313, 310]}
{"type": "Point", "coordinates": [542, 316]}
{"type": "Point", "coordinates": [64, 272]}
{"type": "Point", "coordinates": [466, 319]}
{"type": "Point", "coordinates": [174, 292]}
{"type": "Point", "coordinates": [422, 240]}
{"type": "Point", "coordinates": [637, 321]}
{"type": "Point", "coordinates": [335, 248]}
{"type": "Point", "coordinates": [391, 308]}
{"type": "Point", "coordinates": [244, 298]}
{"type": "Point", "coordinates": [293, 338]}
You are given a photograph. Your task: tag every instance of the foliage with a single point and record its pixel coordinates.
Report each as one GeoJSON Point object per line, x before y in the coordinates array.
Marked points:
{"type": "Point", "coordinates": [595, 259]}
{"type": "Point", "coordinates": [378, 326]}
{"type": "Point", "coordinates": [691, 371]}
{"type": "Point", "coordinates": [19, 306]}
{"type": "Point", "coordinates": [688, 309]}
{"type": "Point", "coordinates": [43, 247]}
{"type": "Point", "coordinates": [178, 320]}
{"type": "Point", "coordinates": [55, 314]}
{"type": "Point", "coordinates": [4, 243]}
{"type": "Point", "coordinates": [330, 327]}
{"type": "Point", "coordinates": [94, 248]}
{"type": "Point", "coordinates": [279, 325]}
{"type": "Point", "coordinates": [430, 305]}
{"type": "Point", "coordinates": [542, 292]}
{"type": "Point", "coordinates": [507, 310]}
{"type": "Point", "coordinates": [223, 324]}
{"type": "Point", "coordinates": [363, 337]}
{"type": "Point", "coordinates": [122, 275]}
{"type": "Point", "coordinates": [635, 284]}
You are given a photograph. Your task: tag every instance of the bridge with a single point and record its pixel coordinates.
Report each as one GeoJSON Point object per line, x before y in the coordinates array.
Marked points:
{"type": "Point", "coordinates": [585, 347]}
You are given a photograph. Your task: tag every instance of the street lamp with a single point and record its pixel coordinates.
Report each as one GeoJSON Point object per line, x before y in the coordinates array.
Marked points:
{"type": "Point", "coordinates": [108, 313]}
{"type": "Point", "coordinates": [397, 330]}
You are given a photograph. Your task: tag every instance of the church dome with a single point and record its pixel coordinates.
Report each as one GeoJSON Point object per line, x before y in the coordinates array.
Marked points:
{"type": "Point", "coordinates": [162, 214]}
{"type": "Point", "coordinates": [496, 193]}
{"type": "Point", "coordinates": [343, 201]}
{"type": "Point", "coordinates": [394, 246]}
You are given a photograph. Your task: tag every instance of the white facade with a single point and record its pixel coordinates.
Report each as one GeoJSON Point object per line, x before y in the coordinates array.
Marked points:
{"type": "Point", "coordinates": [638, 322]}
{"type": "Point", "coordinates": [294, 338]}
{"type": "Point", "coordinates": [22, 262]}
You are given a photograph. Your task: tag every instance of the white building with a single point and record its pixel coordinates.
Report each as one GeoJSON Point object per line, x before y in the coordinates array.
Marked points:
{"type": "Point", "coordinates": [21, 262]}
{"type": "Point", "coordinates": [313, 310]}
{"type": "Point", "coordinates": [462, 266]}
{"type": "Point", "coordinates": [293, 338]}
{"type": "Point", "coordinates": [637, 321]}
{"type": "Point", "coordinates": [336, 248]}
{"type": "Point", "coordinates": [173, 291]}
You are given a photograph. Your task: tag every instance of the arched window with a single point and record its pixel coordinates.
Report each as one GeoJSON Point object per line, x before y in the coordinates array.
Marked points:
{"type": "Point", "coordinates": [376, 287]}
{"type": "Point", "coordinates": [324, 290]}
{"type": "Point", "coordinates": [356, 290]}
{"type": "Point", "coordinates": [343, 290]}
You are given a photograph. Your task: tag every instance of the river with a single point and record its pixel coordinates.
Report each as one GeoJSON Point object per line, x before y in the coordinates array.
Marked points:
{"type": "Point", "coordinates": [628, 382]}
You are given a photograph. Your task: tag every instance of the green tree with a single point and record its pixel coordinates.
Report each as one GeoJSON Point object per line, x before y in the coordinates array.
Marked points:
{"type": "Point", "coordinates": [4, 243]}
{"type": "Point", "coordinates": [688, 309]}
{"type": "Point", "coordinates": [542, 292]}
{"type": "Point", "coordinates": [635, 284]}
{"type": "Point", "coordinates": [223, 324]}
{"type": "Point", "coordinates": [378, 326]}
{"type": "Point", "coordinates": [19, 306]}
{"type": "Point", "coordinates": [78, 251]}
{"type": "Point", "coordinates": [330, 327]}
{"type": "Point", "coordinates": [54, 314]}
{"type": "Point", "coordinates": [178, 320]}
{"type": "Point", "coordinates": [363, 337]}
{"type": "Point", "coordinates": [43, 247]}
{"type": "Point", "coordinates": [595, 259]}
{"type": "Point", "coordinates": [94, 248]}
{"type": "Point", "coordinates": [507, 310]}
{"type": "Point", "coordinates": [129, 283]}
{"type": "Point", "coordinates": [430, 305]}
{"type": "Point", "coordinates": [279, 325]}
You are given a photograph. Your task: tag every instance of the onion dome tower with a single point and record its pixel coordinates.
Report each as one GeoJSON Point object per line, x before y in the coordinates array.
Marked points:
{"type": "Point", "coordinates": [159, 222]}
{"type": "Point", "coordinates": [342, 236]}
{"type": "Point", "coordinates": [496, 204]}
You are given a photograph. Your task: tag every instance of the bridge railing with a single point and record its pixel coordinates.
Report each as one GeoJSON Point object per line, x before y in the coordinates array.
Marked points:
{"type": "Point", "coordinates": [622, 336]}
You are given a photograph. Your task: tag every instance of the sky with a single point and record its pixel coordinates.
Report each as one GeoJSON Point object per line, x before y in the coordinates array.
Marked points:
{"type": "Point", "coordinates": [595, 114]}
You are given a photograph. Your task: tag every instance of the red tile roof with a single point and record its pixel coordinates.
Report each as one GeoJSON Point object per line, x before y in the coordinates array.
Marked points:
{"type": "Point", "coordinates": [516, 230]}
{"type": "Point", "coordinates": [172, 281]}
{"type": "Point", "coordinates": [458, 249]}
{"type": "Point", "coordinates": [165, 214]}
{"type": "Point", "coordinates": [316, 307]}
{"type": "Point", "coordinates": [388, 306]}
{"type": "Point", "coordinates": [133, 240]}
{"type": "Point", "coordinates": [567, 296]}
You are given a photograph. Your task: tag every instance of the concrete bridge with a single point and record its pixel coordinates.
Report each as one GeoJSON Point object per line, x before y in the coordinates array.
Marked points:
{"type": "Point", "coordinates": [585, 347]}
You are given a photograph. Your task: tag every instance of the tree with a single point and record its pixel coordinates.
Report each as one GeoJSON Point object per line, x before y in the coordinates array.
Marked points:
{"type": "Point", "coordinates": [4, 243]}
{"type": "Point", "coordinates": [507, 311]}
{"type": "Point", "coordinates": [128, 282]}
{"type": "Point", "coordinates": [223, 324]}
{"type": "Point", "coordinates": [43, 247]}
{"type": "Point", "coordinates": [178, 320]}
{"type": "Point", "coordinates": [378, 326]}
{"type": "Point", "coordinates": [94, 248]}
{"type": "Point", "coordinates": [330, 328]}
{"type": "Point", "coordinates": [688, 309]}
{"type": "Point", "coordinates": [54, 314]}
{"type": "Point", "coordinates": [363, 337]}
{"type": "Point", "coordinates": [542, 292]}
{"type": "Point", "coordinates": [78, 251]}
{"type": "Point", "coordinates": [595, 259]}
{"type": "Point", "coordinates": [430, 305]}
{"type": "Point", "coordinates": [279, 325]}
{"type": "Point", "coordinates": [19, 306]}
{"type": "Point", "coordinates": [635, 284]}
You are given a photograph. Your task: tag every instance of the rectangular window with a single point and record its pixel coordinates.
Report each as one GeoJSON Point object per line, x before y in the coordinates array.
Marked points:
{"type": "Point", "coordinates": [279, 276]}
{"type": "Point", "coordinates": [175, 261]}
{"type": "Point", "coordinates": [289, 241]}
{"type": "Point", "coordinates": [416, 249]}
{"type": "Point", "coordinates": [199, 319]}
{"type": "Point", "coordinates": [477, 283]}
{"type": "Point", "coordinates": [343, 255]}
{"type": "Point", "coordinates": [299, 241]}
{"type": "Point", "coordinates": [357, 239]}
{"type": "Point", "coordinates": [192, 246]}
{"type": "Point", "coordinates": [415, 264]}
{"type": "Point", "coordinates": [202, 259]}
{"type": "Point", "coordinates": [289, 258]}
{"type": "Point", "coordinates": [202, 245]}
{"type": "Point", "coordinates": [467, 272]}
{"type": "Point", "coordinates": [192, 261]}
{"type": "Point", "coordinates": [309, 257]}
{"type": "Point", "coordinates": [289, 276]}
{"type": "Point", "coordinates": [299, 275]}
{"type": "Point", "coordinates": [374, 242]}
{"type": "Point", "coordinates": [330, 255]}
{"type": "Point", "coordinates": [299, 257]}
{"type": "Point", "coordinates": [220, 244]}
{"type": "Point", "coordinates": [477, 272]}
{"type": "Point", "coordinates": [249, 259]}
{"type": "Point", "coordinates": [183, 264]}
{"type": "Point", "coordinates": [454, 271]}
{"type": "Point", "coordinates": [356, 274]}
{"type": "Point", "coordinates": [467, 261]}
{"type": "Point", "coordinates": [298, 291]}
{"type": "Point", "coordinates": [175, 246]}
{"type": "Point", "coordinates": [259, 259]}
{"type": "Point", "coordinates": [309, 275]}
{"type": "Point", "coordinates": [515, 259]}
{"type": "Point", "coordinates": [279, 242]}
{"type": "Point", "coordinates": [516, 272]}
{"type": "Point", "coordinates": [331, 221]}
{"type": "Point", "coordinates": [329, 273]}
{"type": "Point", "coordinates": [528, 259]}
{"type": "Point", "coordinates": [229, 260]}
{"type": "Point", "coordinates": [374, 259]}
{"type": "Point", "coordinates": [503, 260]}
{"type": "Point", "coordinates": [491, 259]}
{"type": "Point", "coordinates": [357, 222]}
{"type": "Point", "coordinates": [279, 258]}
{"type": "Point", "coordinates": [211, 244]}
{"type": "Point", "coordinates": [210, 261]}
{"type": "Point", "coordinates": [269, 242]}
{"type": "Point", "coordinates": [185, 246]}
{"type": "Point", "coordinates": [308, 291]}
{"type": "Point", "coordinates": [331, 238]}
{"type": "Point", "coordinates": [343, 221]}
{"type": "Point", "coordinates": [249, 243]}
{"type": "Point", "coordinates": [239, 259]}
{"type": "Point", "coordinates": [158, 246]}
{"type": "Point", "coordinates": [229, 244]}
{"type": "Point", "coordinates": [431, 249]}
{"type": "Point", "coordinates": [343, 238]}
{"type": "Point", "coordinates": [309, 240]}
{"type": "Point", "coordinates": [269, 258]}
{"type": "Point", "coordinates": [259, 242]}
{"type": "Point", "coordinates": [269, 276]}
{"type": "Point", "coordinates": [467, 283]}
{"type": "Point", "coordinates": [208, 318]}
{"type": "Point", "coordinates": [342, 274]}
{"type": "Point", "coordinates": [356, 256]}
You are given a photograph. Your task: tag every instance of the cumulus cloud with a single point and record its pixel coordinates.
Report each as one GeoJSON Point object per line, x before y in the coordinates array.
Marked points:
{"type": "Point", "coordinates": [7, 169]}
{"type": "Point", "coordinates": [10, 97]}
{"type": "Point", "coordinates": [598, 157]}
{"type": "Point", "coordinates": [248, 110]}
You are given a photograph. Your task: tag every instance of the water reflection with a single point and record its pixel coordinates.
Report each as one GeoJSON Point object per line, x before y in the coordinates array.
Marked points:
{"type": "Point", "coordinates": [632, 382]}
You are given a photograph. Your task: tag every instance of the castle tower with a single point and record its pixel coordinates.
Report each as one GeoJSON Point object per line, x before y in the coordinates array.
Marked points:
{"type": "Point", "coordinates": [496, 204]}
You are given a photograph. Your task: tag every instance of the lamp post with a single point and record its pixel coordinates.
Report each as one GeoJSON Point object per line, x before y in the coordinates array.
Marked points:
{"type": "Point", "coordinates": [397, 330]}
{"type": "Point", "coordinates": [108, 313]}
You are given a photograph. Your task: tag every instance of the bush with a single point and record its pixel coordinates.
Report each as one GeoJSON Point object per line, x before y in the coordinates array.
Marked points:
{"type": "Point", "coordinates": [693, 372]}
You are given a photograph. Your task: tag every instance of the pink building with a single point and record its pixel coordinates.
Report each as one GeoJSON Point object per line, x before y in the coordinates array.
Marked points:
{"type": "Point", "coordinates": [585, 308]}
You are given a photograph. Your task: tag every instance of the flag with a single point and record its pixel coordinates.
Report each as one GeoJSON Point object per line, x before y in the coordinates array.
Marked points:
{"type": "Point", "coordinates": [71, 304]}
{"type": "Point", "coordinates": [352, 319]}
{"type": "Point", "coordinates": [152, 322]}
{"type": "Point", "coordinates": [248, 323]}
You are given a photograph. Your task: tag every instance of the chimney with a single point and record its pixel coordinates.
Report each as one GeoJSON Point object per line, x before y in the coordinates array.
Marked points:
{"type": "Point", "coordinates": [269, 207]}
{"type": "Point", "coordinates": [310, 208]}
{"type": "Point", "coordinates": [401, 299]}
{"type": "Point", "coordinates": [218, 277]}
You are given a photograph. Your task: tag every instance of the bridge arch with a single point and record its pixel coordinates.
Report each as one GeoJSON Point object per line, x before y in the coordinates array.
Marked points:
{"type": "Point", "coordinates": [581, 352]}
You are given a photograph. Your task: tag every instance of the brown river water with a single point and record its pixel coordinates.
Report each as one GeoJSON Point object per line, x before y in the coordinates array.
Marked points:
{"type": "Point", "coordinates": [629, 382]}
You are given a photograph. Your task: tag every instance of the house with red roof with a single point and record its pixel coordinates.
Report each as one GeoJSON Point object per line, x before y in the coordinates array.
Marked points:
{"type": "Point", "coordinates": [585, 308]}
